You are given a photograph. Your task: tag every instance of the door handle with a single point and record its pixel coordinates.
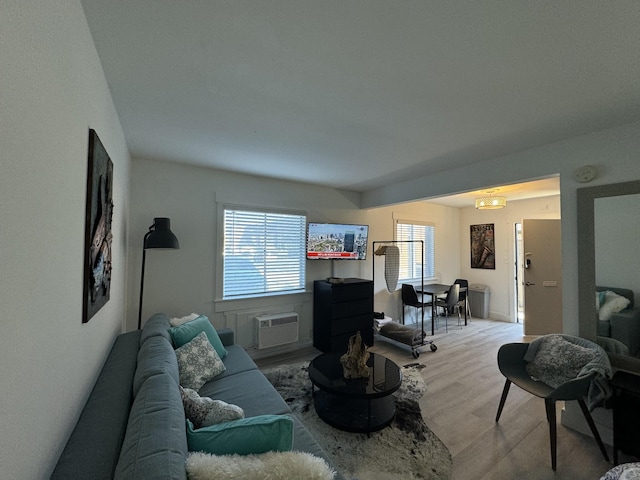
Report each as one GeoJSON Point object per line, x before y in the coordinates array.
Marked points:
{"type": "Point", "coordinates": [528, 284]}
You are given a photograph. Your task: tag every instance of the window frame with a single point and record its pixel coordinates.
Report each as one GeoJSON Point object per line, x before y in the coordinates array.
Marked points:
{"type": "Point", "coordinates": [229, 295]}
{"type": "Point", "coordinates": [429, 242]}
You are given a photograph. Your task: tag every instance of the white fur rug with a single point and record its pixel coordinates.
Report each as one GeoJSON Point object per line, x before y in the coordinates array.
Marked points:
{"type": "Point", "coordinates": [405, 450]}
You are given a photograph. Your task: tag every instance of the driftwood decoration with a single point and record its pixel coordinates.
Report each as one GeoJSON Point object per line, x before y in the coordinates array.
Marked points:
{"type": "Point", "coordinates": [354, 362]}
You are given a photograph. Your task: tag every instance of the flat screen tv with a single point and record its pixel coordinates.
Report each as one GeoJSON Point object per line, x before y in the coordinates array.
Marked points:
{"type": "Point", "coordinates": [337, 241]}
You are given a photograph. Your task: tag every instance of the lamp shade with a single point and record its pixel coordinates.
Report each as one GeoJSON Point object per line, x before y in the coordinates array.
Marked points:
{"type": "Point", "coordinates": [160, 235]}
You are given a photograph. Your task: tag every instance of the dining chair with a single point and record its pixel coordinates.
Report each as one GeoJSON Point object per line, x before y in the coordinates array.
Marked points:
{"type": "Point", "coordinates": [410, 298]}
{"type": "Point", "coordinates": [464, 292]}
{"type": "Point", "coordinates": [449, 304]}
{"type": "Point", "coordinates": [514, 363]}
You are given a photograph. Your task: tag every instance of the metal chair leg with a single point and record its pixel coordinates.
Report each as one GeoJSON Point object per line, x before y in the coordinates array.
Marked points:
{"type": "Point", "coordinates": [503, 398]}
{"type": "Point", "coordinates": [550, 406]}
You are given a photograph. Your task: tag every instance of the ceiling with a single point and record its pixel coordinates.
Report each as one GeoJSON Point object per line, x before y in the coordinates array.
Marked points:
{"type": "Point", "coordinates": [360, 94]}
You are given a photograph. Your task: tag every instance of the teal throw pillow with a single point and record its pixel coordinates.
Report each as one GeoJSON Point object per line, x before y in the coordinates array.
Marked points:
{"type": "Point", "coordinates": [188, 331]}
{"type": "Point", "coordinates": [602, 296]}
{"type": "Point", "coordinates": [246, 436]}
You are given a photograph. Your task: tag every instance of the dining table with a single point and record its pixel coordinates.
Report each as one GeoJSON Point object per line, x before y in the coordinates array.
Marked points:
{"type": "Point", "coordinates": [434, 290]}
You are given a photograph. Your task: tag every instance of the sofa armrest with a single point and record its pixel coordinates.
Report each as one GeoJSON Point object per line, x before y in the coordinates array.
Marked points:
{"type": "Point", "coordinates": [226, 336]}
{"type": "Point", "coordinates": [625, 327]}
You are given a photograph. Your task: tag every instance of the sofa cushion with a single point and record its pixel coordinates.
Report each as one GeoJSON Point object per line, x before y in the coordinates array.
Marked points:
{"type": "Point", "coordinates": [157, 325]}
{"type": "Point", "coordinates": [189, 330]}
{"type": "Point", "coordinates": [93, 452]}
{"type": "Point", "coordinates": [204, 411]}
{"type": "Point", "coordinates": [156, 356]}
{"type": "Point", "coordinates": [198, 362]}
{"type": "Point", "coordinates": [237, 361]}
{"type": "Point", "coordinates": [249, 390]}
{"type": "Point", "coordinates": [155, 445]}
{"type": "Point", "coordinates": [258, 434]}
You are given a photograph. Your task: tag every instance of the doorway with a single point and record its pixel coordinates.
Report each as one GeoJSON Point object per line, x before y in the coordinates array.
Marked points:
{"type": "Point", "coordinates": [518, 275]}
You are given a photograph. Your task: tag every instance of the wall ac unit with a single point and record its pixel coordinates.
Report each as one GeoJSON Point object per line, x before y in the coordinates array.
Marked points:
{"type": "Point", "coordinates": [277, 329]}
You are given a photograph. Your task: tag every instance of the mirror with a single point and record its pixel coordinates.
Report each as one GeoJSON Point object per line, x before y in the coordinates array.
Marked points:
{"type": "Point", "coordinates": [598, 208]}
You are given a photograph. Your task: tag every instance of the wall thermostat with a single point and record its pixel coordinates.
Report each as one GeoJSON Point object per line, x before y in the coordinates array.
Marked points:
{"type": "Point", "coordinates": [586, 173]}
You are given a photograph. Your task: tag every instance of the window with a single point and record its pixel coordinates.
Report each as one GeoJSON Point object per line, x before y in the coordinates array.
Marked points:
{"type": "Point", "coordinates": [264, 253]}
{"type": "Point", "coordinates": [412, 267]}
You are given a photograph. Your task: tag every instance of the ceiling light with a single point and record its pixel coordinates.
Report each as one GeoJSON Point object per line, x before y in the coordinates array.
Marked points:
{"type": "Point", "coordinates": [491, 202]}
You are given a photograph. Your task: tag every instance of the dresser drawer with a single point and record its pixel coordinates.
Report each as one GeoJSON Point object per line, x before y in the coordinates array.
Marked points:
{"type": "Point", "coordinates": [349, 293]}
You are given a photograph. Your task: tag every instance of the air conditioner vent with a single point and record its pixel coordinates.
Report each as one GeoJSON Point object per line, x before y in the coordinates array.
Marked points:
{"type": "Point", "coordinates": [277, 329]}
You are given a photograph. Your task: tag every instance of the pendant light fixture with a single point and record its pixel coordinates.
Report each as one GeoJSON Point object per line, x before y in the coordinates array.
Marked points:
{"type": "Point", "coordinates": [490, 201]}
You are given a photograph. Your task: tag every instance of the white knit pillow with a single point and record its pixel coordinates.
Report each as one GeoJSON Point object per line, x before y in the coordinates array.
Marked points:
{"type": "Point", "coordinates": [613, 303]}
{"type": "Point", "coordinates": [177, 321]}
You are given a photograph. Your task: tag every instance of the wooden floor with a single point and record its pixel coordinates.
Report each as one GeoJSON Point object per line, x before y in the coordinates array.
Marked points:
{"type": "Point", "coordinates": [463, 391]}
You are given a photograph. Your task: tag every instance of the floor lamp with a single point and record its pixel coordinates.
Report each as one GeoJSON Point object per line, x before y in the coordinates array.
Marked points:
{"type": "Point", "coordinates": [158, 236]}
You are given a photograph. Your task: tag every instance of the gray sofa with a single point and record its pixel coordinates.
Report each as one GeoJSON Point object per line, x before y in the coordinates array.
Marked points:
{"type": "Point", "coordinates": [623, 326]}
{"type": "Point", "coordinates": [133, 424]}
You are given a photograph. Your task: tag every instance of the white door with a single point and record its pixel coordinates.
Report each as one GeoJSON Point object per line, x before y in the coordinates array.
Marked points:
{"type": "Point", "coordinates": [542, 279]}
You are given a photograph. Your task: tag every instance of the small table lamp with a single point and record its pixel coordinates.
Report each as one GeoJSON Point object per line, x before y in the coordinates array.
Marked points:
{"type": "Point", "coordinates": [158, 236]}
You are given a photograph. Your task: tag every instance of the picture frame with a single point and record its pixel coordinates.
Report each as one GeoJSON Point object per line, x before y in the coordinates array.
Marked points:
{"type": "Point", "coordinates": [483, 249]}
{"type": "Point", "coordinates": [98, 235]}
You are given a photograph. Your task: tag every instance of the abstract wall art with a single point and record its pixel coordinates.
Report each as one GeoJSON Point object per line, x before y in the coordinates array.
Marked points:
{"type": "Point", "coordinates": [98, 236]}
{"type": "Point", "coordinates": [483, 248]}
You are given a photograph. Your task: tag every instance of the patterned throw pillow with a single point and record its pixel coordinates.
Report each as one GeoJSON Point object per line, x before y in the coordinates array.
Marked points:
{"type": "Point", "coordinates": [198, 362]}
{"type": "Point", "coordinates": [204, 411]}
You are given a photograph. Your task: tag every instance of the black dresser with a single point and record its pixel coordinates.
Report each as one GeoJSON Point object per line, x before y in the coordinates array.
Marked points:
{"type": "Point", "coordinates": [339, 311]}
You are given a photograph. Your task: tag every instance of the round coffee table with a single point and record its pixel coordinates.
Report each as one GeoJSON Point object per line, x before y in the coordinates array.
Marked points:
{"type": "Point", "coordinates": [361, 405]}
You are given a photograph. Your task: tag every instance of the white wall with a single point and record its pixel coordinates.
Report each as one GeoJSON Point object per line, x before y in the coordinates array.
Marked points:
{"type": "Point", "coordinates": [52, 91]}
{"type": "Point", "coordinates": [501, 280]}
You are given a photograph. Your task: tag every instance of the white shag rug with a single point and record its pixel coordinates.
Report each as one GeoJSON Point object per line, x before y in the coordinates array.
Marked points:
{"type": "Point", "coordinates": [405, 450]}
{"type": "Point", "coordinates": [270, 465]}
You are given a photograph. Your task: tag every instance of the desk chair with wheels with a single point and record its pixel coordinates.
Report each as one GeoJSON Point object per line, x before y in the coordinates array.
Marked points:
{"type": "Point", "coordinates": [513, 360]}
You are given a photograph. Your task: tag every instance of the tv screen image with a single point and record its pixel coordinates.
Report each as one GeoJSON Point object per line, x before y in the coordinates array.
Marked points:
{"type": "Point", "coordinates": [337, 241]}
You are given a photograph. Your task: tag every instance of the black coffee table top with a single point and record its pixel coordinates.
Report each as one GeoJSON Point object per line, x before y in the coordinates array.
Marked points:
{"type": "Point", "coordinates": [385, 377]}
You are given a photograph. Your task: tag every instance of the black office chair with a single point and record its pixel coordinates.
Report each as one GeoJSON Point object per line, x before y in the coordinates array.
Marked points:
{"type": "Point", "coordinates": [410, 298]}
{"type": "Point", "coordinates": [450, 304]}
{"type": "Point", "coordinates": [464, 292]}
{"type": "Point", "coordinates": [512, 364]}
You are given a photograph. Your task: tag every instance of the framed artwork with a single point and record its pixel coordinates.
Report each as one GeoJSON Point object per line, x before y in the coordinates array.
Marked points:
{"type": "Point", "coordinates": [98, 236]}
{"type": "Point", "coordinates": [483, 248]}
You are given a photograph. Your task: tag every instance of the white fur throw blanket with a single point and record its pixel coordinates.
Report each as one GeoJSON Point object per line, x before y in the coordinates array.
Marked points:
{"type": "Point", "coordinates": [556, 359]}
{"type": "Point", "coordinates": [265, 466]}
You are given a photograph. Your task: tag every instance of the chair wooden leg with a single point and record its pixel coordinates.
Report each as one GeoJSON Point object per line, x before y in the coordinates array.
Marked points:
{"type": "Point", "coordinates": [550, 406]}
{"type": "Point", "coordinates": [594, 430]}
{"type": "Point", "coordinates": [503, 398]}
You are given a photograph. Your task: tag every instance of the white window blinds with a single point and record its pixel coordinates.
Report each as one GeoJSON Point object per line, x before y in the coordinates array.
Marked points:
{"type": "Point", "coordinates": [264, 253]}
{"type": "Point", "coordinates": [412, 266]}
